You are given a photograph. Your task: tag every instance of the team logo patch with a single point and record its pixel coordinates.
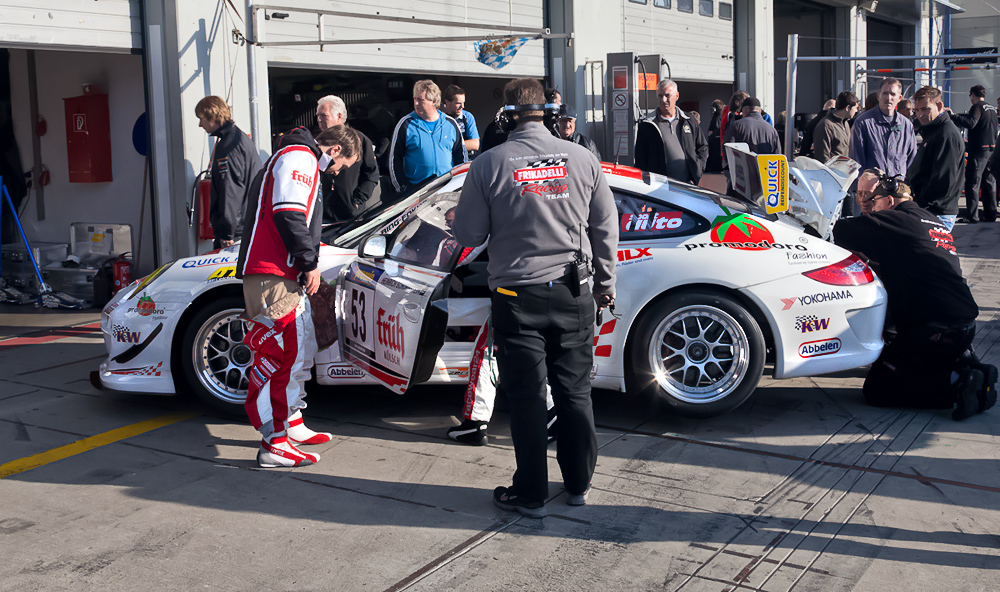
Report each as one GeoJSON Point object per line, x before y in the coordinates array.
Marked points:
{"type": "Point", "coordinates": [549, 169]}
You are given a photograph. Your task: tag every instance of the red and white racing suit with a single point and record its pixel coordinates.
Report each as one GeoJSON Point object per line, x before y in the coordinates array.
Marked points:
{"type": "Point", "coordinates": [280, 243]}
{"type": "Point", "coordinates": [481, 392]}
{"type": "Point", "coordinates": [283, 358]}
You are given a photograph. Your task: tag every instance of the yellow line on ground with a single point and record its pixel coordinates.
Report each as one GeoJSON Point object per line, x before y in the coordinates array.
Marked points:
{"type": "Point", "coordinates": [49, 456]}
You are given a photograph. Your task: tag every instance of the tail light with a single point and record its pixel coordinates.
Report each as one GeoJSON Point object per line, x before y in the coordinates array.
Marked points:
{"type": "Point", "coordinates": [849, 272]}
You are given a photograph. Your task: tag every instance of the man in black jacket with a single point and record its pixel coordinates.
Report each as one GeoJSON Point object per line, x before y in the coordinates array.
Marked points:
{"type": "Point", "coordinates": [928, 363]}
{"type": "Point", "coordinates": [936, 172]}
{"type": "Point", "coordinates": [981, 121]}
{"type": "Point", "coordinates": [234, 164]}
{"type": "Point", "coordinates": [670, 143]}
{"type": "Point", "coordinates": [356, 188]}
{"type": "Point", "coordinates": [753, 130]}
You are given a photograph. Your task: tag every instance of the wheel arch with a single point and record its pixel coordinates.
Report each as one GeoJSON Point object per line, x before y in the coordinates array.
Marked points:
{"type": "Point", "coordinates": [749, 304]}
{"type": "Point", "coordinates": [223, 291]}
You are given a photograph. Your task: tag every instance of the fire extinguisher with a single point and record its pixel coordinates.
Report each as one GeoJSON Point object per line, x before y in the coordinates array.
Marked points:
{"type": "Point", "coordinates": [122, 273]}
{"type": "Point", "coordinates": [201, 194]}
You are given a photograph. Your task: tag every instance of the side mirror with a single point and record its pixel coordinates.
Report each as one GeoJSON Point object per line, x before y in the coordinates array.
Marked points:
{"type": "Point", "coordinates": [374, 247]}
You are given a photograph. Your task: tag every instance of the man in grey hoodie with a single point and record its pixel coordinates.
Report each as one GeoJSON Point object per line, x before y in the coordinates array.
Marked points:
{"type": "Point", "coordinates": [545, 205]}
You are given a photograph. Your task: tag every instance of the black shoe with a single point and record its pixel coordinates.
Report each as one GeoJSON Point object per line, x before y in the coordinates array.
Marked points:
{"type": "Point", "coordinates": [470, 432]}
{"type": "Point", "coordinates": [966, 392]}
{"type": "Point", "coordinates": [551, 425]}
{"type": "Point", "coordinates": [505, 499]}
{"type": "Point", "coordinates": [988, 394]}
{"type": "Point", "coordinates": [967, 220]}
{"type": "Point", "coordinates": [578, 499]}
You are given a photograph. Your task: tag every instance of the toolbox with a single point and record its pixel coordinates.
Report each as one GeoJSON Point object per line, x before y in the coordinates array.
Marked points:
{"type": "Point", "coordinates": [14, 256]}
{"type": "Point", "coordinates": [77, 282]}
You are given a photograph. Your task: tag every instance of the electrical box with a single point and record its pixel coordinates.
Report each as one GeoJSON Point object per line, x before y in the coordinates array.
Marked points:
{"type": "Point", "coordinates": [88, 138]}
{"type": "Point", "coordinates": [631, 96]}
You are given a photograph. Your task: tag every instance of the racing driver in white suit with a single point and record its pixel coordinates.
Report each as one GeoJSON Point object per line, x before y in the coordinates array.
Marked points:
{"type": "Point", "coordinates": [278, 262]}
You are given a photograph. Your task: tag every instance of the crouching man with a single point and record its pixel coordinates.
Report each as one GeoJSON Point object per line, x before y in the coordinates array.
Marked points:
{"type": "Point", "coordinates": [278, 262]}
{"type": "Point", "coordinates": [928, 362]}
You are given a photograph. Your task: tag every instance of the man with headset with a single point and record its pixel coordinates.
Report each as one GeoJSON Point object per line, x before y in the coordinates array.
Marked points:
{"type": "Point", "coordinates": [927, 361]}
{"type": "Point", "coordinates": [548, 212]}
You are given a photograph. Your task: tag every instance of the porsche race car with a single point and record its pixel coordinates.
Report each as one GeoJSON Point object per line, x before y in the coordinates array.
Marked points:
{"type": "Point", "coordinates": [709, 289]}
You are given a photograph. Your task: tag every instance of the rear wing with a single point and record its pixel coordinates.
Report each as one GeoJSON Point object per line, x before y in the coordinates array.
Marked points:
{"type": "Point", "coordinates": [811, 194]}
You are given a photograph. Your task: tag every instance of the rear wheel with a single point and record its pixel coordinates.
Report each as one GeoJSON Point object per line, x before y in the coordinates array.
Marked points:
{"type": "Point", "coordinates": [214, 359]}
{"type": "Point", "coordinates": [701, 352]}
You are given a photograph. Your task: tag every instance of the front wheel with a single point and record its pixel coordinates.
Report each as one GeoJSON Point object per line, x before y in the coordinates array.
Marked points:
{"type": "Point", "coordinates": [214, 359]}
{"type": "Point", "coordinates": [701, 352]}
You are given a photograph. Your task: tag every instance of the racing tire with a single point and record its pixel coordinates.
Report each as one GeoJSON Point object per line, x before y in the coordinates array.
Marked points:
{"type": "Point", "coordinates": [214, 360]}
{"type": "Point", "coordinates": [702, 353]}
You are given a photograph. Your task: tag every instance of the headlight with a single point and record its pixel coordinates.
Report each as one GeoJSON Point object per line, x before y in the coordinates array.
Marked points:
{"type": "Point", "coordinates": [149, 279]}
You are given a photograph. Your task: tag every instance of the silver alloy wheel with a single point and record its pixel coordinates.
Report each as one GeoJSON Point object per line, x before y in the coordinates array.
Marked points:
{"type": "Point", "coordinates": [699, 354]}
{"type": "Point", "coordinates": [221, 360]}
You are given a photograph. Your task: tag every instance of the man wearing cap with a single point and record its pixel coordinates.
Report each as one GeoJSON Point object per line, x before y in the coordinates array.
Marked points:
{"type": "Point", "coordinates": [931, 320]}
{"type": "Point", "coordinates": [567, 130]}
{"type": "Point", "coordinates": [751, 129]}
{"type": "Point", "coordinates": [669, 142]}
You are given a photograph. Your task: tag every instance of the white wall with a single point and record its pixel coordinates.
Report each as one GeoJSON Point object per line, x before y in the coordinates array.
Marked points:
{"type": "Point", "coordinates": [60, 75]}
{"type": "Point", "coordinates": [108, 25]}
{"type": "Point", "coordinates": [453, 57]}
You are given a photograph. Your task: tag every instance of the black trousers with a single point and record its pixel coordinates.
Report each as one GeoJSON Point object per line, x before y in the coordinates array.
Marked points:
{"type": "Point", "coordinates": [977, 174]}
{"type": "Point", "coordinates": [915, 368]}
{"type": "Point", "coordinates": [546, 332]}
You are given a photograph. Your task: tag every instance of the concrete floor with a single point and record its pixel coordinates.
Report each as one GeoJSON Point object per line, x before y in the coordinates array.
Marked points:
{"type": "Point", "coordinates": [803, 488]}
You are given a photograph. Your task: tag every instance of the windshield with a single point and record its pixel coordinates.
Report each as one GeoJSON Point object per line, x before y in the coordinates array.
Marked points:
{"type": "Point", "coordinates": [384, 219]}
{"type": "Point", "coordinates": [426, 239]}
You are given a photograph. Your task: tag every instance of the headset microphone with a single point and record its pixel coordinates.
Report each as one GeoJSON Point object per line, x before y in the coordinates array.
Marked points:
{"type": "Point", "coordinates": [506, 122]}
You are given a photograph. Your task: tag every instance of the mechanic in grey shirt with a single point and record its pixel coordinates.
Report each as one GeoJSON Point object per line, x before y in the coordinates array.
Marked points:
{"type": "Point", "coordinates": [543, 203]}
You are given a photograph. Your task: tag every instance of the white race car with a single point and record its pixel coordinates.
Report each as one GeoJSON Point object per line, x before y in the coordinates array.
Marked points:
{"type": "Point", "coordinates": [709, 288]}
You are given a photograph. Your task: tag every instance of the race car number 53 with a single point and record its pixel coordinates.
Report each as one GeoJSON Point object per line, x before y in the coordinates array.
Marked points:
{"type": "Point", "coordinates": [361, 315]}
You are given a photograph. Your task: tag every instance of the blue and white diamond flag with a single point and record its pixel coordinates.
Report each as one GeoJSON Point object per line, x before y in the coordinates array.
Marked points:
{"type": "Point", "coordinates": [497, 53]}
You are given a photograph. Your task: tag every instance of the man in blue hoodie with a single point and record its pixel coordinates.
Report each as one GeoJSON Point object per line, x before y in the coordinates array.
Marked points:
{"type": "Point", "coordinates": [426, 143]}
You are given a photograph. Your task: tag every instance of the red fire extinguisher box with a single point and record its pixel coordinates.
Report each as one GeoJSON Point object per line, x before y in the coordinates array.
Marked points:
{"type": "Point", "coordinates": [88, 138]}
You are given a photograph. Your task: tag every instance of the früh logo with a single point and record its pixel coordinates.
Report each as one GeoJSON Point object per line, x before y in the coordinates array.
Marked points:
{"type": "Point", "coordinates": [390, 333]}
{"type": "Point", "coordinates": [301, 178]}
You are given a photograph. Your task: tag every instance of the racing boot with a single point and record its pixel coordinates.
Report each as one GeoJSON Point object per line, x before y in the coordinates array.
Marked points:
{"type": "Point", "coordinates": [470, 432]}
{"type": "Point", "coordinates": [966, 391]}
{"type": "Point", "coordinates": [299, 434]}
{"type": "Point", "coordinates": [279, 452]}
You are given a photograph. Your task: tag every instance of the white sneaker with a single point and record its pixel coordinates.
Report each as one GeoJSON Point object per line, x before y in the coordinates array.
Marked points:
{"type": "Point", "coordinates": [300, 434]}
{"type": "Point", "coordinates": [279, 452]}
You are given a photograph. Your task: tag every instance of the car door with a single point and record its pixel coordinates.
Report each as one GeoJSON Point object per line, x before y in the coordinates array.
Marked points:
{"type": "Point", "coordinates": [391, 309]}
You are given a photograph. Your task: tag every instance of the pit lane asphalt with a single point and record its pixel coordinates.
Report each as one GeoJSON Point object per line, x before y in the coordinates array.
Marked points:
{"type": "Point", "coordinates": [803, 488]}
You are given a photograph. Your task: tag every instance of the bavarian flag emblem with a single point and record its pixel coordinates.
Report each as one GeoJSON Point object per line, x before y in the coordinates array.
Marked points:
{"type": "Point", "coordinates": [497, 53]}
{"type": "Point", "coordinates": [773, 169]}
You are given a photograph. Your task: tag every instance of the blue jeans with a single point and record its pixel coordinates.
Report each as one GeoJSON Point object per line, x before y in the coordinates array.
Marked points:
{"type": "Point", "coordinates": [948, 221]}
